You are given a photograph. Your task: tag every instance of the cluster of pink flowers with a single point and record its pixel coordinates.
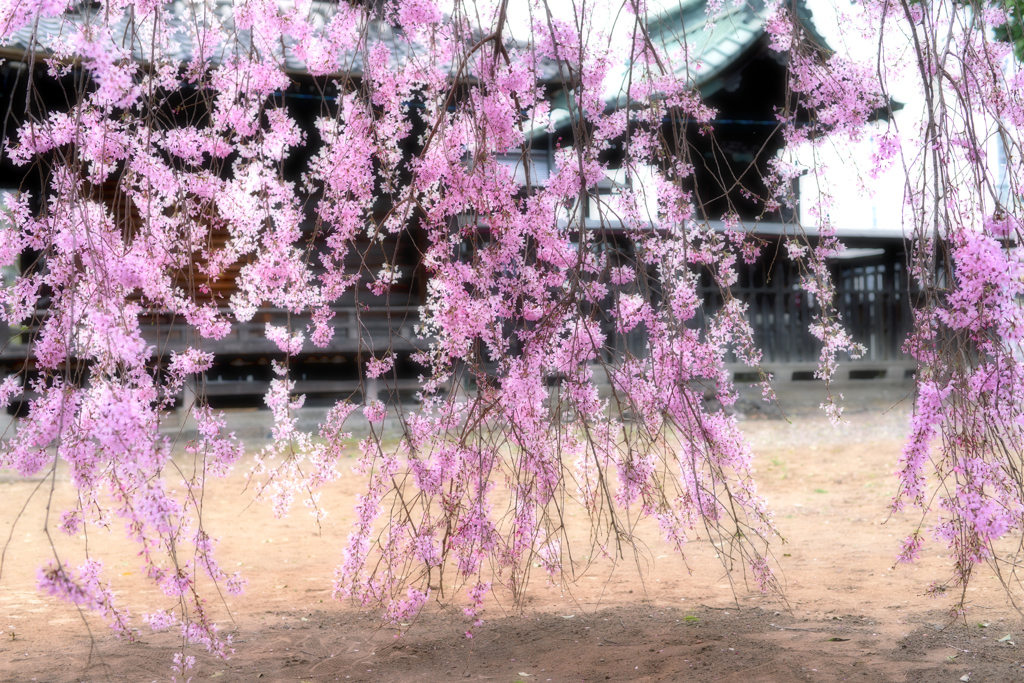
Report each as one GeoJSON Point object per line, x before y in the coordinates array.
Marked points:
{"type": "Point", "coordinates": [962, 461]}
{"type": "Point", "coordinates": [525, 318]}
{"type": "Point", "coordinates": [524, 300]}
{"type": "Point", "coordinates": [86, 589]}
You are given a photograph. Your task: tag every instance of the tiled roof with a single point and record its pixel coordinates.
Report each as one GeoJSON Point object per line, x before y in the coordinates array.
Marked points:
{"type": "Point", "coordinates": [712, 47]}
{"type": "Point", "coordinates": [43, 38]}
{"type": "Point", "coordinates": [715, 48]}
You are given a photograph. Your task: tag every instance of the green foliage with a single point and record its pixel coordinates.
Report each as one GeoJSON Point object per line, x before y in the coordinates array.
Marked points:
{"type": "Point", "coordinates": [1013, 30]}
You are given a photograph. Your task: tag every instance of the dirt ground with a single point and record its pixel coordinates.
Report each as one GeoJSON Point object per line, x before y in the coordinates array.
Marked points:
{"type": "Point", "coordinates": [849, 615]}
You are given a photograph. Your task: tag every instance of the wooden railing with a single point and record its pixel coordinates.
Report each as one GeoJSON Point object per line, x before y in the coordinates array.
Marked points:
{"type": "Point", "coordinates": [369, 331]}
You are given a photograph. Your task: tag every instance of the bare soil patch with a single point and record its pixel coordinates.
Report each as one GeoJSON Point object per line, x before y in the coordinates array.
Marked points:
{"type": "Point", "coordinates": [850, 616]}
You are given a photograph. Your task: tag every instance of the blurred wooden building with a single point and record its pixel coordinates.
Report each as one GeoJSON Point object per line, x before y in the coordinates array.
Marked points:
{"type": "Point", "coordinates": [741, 77]}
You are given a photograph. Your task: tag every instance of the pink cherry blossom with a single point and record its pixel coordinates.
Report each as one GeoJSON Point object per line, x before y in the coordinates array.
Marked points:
{"type": "Point", "coordinates": [568, 342]}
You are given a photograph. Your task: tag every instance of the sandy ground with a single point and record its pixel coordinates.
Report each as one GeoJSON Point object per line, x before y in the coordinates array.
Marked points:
{"type": "Point", "coordinates": [848, 615]}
